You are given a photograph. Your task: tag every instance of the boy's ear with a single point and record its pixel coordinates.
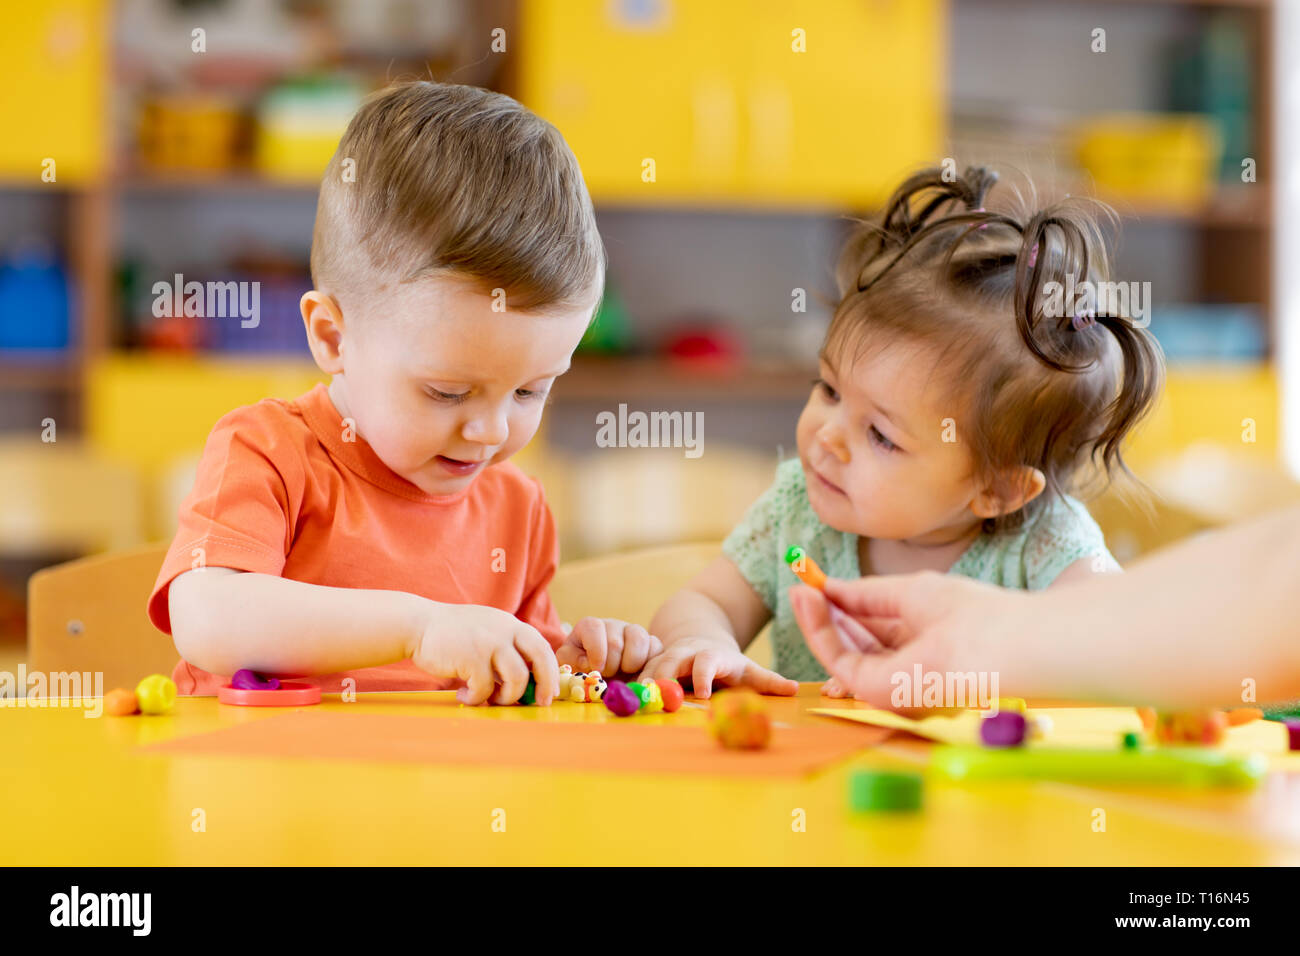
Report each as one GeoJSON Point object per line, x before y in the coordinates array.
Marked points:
{"type": "Point", "coordinates": [1010, 491]}
{"type": "Point", "coordinates": [324, 322]}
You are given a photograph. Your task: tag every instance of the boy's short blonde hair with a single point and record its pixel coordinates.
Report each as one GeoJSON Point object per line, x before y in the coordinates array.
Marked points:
{"type": "Point", "coordinates": [447, 179]}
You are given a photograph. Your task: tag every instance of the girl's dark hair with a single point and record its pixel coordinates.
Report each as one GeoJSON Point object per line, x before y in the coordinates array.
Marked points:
{"type": "Point", "coordinates": [1030, 387]}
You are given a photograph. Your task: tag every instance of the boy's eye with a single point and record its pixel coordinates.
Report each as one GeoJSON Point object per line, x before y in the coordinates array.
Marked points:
{"type": "Point", "coordinates": [527, 393]}
{"type": "Point", "coordinates": [881, 440]}
{"type": "Point", "coordinates": [825, 386]}
{"type": "Point", "coordinates": [452, 397]}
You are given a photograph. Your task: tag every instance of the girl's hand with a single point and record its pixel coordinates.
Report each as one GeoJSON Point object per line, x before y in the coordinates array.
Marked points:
{"type": "Point", "coordinates": [833, 688]}
{"type": "Point", "coordinates": [608, 645]}
{"type": "Point", "coordinates": [488, 649]}
{"type": "Point", "coordinates": [936, 620]}
{"type": "Point", "coordinates": [706, 660]}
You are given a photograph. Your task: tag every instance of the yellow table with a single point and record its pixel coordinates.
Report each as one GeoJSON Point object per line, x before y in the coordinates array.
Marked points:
{"type": "Point", "coordinates": [77, 791]}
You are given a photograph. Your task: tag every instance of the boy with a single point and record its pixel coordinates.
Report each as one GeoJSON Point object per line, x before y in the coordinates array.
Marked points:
{"type": "Point", "coordinates": [372, 529]}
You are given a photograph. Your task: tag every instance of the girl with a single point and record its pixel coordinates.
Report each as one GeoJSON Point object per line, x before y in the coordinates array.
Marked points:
{"type": "Point", "coordinates": [956, 409]}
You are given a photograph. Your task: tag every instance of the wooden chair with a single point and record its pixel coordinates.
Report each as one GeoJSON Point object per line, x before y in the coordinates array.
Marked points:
{"type": "Point", "coordinates": [89, 615]}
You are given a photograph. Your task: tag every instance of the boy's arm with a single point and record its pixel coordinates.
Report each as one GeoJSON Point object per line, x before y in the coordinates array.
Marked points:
{"type": "Point", "coordinates": [224, 620]}
{"type": "Point", "coordinates": [717, 604]}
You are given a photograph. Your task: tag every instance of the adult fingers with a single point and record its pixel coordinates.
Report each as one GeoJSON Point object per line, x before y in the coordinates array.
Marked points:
{"type": "Point", "coordinates": [887, 596]}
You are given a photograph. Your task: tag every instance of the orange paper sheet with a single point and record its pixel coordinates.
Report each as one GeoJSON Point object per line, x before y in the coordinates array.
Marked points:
{"type": "Point", "coordinates": [607, 746]}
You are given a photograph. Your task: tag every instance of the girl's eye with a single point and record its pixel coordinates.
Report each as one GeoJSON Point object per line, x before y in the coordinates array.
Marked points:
{"type": "Point", "coordinates": [527, 393]}
{"type": "Point", "coordinates": [825, 386]}
{"type": "Point", "coordinates": [881, 440]}
{"type": "Point", "coordinates": [450, 397]}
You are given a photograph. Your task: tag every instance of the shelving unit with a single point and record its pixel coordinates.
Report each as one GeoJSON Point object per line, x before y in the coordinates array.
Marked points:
{"type": "Point", "coordinates": [1232, 232]}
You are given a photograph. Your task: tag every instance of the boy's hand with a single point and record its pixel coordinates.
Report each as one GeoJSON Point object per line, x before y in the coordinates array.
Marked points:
{"type": "Point", "coordinates": [608, 645]}
{"type": "Point", "coordinates": [706, 660]}
{"type": "Point", "coordinates": [486, 647]}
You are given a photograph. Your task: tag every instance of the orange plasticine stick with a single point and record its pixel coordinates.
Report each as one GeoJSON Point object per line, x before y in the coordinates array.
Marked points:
{"type": "Point", "coordinates": [805, 568]}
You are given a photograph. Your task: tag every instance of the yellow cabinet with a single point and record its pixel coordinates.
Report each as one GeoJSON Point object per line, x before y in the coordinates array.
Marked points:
{"type": "Point", "coordinates": [739, 101]}
{"type": "Point", "coordinates": [53, 73]}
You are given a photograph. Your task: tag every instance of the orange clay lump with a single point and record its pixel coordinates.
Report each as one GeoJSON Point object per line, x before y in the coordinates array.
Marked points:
{"type": "Point", "coordinates": [120, 702]}
{"type": "Point", "coordinates": [805, 568]}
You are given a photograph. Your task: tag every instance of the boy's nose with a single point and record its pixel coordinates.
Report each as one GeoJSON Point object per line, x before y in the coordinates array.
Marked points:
{"type": "Point", "coordinates": [487, 430]}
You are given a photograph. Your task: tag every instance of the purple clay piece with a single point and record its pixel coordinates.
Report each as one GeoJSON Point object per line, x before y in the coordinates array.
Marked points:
{"type": "Point", "coordinates": [620, 699]}
{"type": "Point", "coordinates": [1292, 734]}
{"type": "Point", "coordinates": [247, 680]}
{"type": "Point", "coordinates": [1004, 729]}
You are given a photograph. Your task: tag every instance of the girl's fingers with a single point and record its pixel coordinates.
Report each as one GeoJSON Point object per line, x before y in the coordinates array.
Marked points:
{"type": "Point", "coordinates": [768, 682]}
{"type": "Point", "coordinates": [669, 665]}
{"type": "Point", "coordinates": [703, 672]}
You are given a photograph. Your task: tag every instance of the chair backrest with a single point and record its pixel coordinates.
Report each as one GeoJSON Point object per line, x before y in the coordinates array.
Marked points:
{"type": "Point", "coordinates": [89, 615]}
{"type": "Point", "coordinates": [629, 586]}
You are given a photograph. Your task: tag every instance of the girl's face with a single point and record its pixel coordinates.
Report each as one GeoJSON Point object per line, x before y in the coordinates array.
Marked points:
{"type": "Point", "coordinates": [882, 451]}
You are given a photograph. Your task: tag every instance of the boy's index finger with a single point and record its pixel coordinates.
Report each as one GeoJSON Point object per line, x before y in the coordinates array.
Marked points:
{"type": "Point", "coordinates": [540, 656]}
{"type": "Point", "coordinates": [591, 634]}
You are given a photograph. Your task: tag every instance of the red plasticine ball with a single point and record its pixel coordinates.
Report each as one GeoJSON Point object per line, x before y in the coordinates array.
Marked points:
{"type": "Point", "coordinates": [620, 699]}
{"type": "Point", "coordinates": [738, 720]}
{"type": "Point", "coordinates": [672, 693]}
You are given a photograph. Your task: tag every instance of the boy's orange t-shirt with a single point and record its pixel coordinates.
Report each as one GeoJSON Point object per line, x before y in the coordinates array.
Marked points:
{"type": "Point", "coordinates": [279, 491]}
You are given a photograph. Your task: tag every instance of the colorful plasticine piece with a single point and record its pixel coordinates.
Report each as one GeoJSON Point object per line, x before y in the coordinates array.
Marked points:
{"type": "Point", "coordinates": [872, 791]}
{"type": "Point", "coordinates": [1130, 741]}
{"type": "Point", "coordinates": [738, 720]}
{"type": "Point", "coordinates": [1197, 727]}
{"type": "Point", "coordinates": [120, 702]}
{"type": "Point", "coordinates": [672, 693]}
{"type": "Point", "coordinates": [156, 694]}
{"type": "Point", "coordinates": [1292, 733]}
{"type": "Point", "coordinates": [805, 568]}
{"type": "Point", "coordinates": [530, 692]}
{"type": "Point", "coordinates": [620, 700]}
{"type": "Point", "coordinates": [247, 680]}
{"type": "Point", "coordinates": [1003, 729]}
{"type": "Point", "coordinates": [1015, 704]}
{"type": "Point", "coordinates": [652, 698]}
{"type": "Point", "coordinates": [1148, 717]}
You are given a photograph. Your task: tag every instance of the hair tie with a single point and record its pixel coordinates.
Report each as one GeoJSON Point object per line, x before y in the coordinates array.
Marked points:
{"type": "Point", "coordinates": [1033, 255]}
{"type": "Point", "coordinates": [1083, 321]}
